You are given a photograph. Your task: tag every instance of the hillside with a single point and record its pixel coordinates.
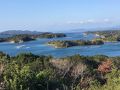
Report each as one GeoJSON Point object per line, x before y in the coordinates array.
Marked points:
{"type": "Point", "coordinates": [33, 72]}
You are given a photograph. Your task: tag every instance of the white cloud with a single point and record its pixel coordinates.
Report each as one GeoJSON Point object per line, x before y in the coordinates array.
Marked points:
{"type": "Point", "coordinates": [106, 20]}
{"type": "Point", "coordinates": [90, 21]}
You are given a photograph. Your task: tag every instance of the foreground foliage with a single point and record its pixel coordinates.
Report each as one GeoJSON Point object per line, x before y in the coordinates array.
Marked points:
{"type": "Point", "coordinates": [32, 72]}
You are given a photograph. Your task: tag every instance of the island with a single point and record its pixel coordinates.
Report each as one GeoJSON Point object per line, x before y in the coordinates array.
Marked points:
{"type": "Point", "coordinates": [107, 36]}
{"type": "Point", "coordinates": [28, 37]}
{"type": "Point", "coordinates": [71, 43]}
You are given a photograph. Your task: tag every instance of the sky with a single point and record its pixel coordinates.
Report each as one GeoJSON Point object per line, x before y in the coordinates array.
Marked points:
{"type": "Point", "coordinates": [58, 15]}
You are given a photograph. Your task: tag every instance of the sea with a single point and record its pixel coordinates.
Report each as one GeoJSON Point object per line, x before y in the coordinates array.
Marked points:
{"type": "Point", "coordinates": [40, 47]}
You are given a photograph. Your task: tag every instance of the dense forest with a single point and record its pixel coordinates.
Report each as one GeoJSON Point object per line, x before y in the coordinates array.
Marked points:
{"type": "Point", "coordinates": [33, 72]}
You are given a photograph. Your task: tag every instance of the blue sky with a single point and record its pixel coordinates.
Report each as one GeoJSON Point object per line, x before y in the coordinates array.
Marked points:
{"type": "Point", "coordinates": [58, 15]}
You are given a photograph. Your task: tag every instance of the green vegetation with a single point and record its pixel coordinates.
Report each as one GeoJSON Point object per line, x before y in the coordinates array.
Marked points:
{"type": "Point", "coordinates": [70, 43]}
{"type": "Point", "coordinates": [51, 35]}
{"type": "Point", "coordinates": [33, 72]}
{"type": "Point", "coordinates": [27, 37]}
{"type": "Point", "coordinates": [111, 35]}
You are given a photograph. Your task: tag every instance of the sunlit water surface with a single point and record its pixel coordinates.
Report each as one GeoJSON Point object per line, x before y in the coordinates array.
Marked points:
{"type": "Point", "coordinates": [40, 47]}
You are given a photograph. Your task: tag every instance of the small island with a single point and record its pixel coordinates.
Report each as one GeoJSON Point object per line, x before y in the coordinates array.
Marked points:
{"type": "Point", "coordinates": [27, 37]}
{"type": "Point", "coordinates": [71, 43]}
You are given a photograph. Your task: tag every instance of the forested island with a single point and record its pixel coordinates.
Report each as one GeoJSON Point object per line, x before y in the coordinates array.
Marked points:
{"type": "Point", "coordinates": [107, 36]}
{"type": "Point", "coordinates": [28, 37]}
{"type": "Point", "coordinates": [34, 72]}
{"type": "Point", "coordinates": [71, 43]}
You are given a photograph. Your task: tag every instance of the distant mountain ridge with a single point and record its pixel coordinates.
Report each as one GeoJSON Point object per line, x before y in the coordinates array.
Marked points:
{"type": "Point", "coordinates": [16, 32]}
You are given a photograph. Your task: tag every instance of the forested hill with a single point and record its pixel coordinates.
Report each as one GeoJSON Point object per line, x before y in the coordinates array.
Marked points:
{"type": "Point", "coordinates": [33, 72]}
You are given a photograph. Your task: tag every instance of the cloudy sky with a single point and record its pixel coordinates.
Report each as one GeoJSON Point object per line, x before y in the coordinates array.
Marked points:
{"type": "Point", "coordinates": [58, 15]}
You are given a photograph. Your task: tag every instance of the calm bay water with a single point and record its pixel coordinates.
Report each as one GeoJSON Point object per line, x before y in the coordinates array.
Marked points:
{"type": "Point", "coordinates": [40, 47]}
